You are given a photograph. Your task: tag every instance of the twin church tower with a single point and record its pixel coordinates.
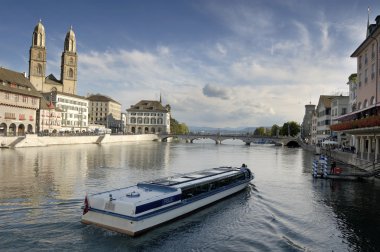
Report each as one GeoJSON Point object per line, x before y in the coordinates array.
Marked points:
{"type": "Point", "coordinates": [37, 64]}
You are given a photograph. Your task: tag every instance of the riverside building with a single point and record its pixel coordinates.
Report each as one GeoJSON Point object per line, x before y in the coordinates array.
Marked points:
{"type": "Point", "coordinates": [105, 111]}
{"type": "Point", "coordinates": [19, 102]}
{"type": "Point", "coordinates": [148, 117]}
{"type": "Point", "coordinates": [74, 110]}
{"type": "Point", "coordinates": [363, 123]}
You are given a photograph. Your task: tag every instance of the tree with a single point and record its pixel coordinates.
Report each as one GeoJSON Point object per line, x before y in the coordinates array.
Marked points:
{"type": "Point", "coordinates": [259, 131]}
{"type": "Point", "coordinates": [290, 129]}
{"type": "Point", "coordinates": [178, 128]}
{"type": "Point", "coordinates": [275, 128]}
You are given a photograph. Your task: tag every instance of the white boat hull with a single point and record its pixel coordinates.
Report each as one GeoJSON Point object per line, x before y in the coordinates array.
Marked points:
{"type": "Point", "coordinates": [132, 228]}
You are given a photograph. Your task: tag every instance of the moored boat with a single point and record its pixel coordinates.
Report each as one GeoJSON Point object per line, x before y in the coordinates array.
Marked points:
{"type": "Point", "coordinates": [136, 209]}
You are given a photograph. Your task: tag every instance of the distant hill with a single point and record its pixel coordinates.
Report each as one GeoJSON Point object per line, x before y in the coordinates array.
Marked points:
{"type": "Point", "coordinates": [197, 129]}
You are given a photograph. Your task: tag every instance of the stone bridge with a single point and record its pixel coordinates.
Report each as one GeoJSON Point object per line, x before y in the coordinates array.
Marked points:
{"type": "Point", "coordinates": [247, 139]}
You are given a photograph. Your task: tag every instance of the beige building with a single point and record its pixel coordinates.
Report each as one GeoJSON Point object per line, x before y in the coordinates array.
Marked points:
{"type": "Point", "coordinates": [104, 111]}
{"type": "Point", "coordinates": [37, 64]}
{"type": "Point", "coordinates": [148, 117]}
{"type": "Point", "coordinates": [363, 123]}
{"type": "Point", "coordinates": [19, 102]}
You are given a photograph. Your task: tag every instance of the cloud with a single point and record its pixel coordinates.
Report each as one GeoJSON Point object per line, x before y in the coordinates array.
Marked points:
{"type": "Point", "coordinates": [210, 90]}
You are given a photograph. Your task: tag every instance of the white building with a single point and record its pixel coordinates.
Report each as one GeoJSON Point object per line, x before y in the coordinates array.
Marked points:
{"type": "Point", "coordinates": [74, 110]}
{"type": "Point", "coordinates": [324, 118]}
{"type": "Point", "coordinates": [339, 107]}
{"type": "Point", "coordinates": [148, 117]}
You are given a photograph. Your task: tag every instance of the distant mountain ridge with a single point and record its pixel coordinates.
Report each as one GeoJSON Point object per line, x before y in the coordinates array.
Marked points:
{"type": "Point", "coordinates": [198, 129]}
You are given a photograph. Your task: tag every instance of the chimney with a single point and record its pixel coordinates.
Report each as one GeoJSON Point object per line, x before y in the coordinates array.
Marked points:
{"type": "Point", "coordinates": [377, 20]}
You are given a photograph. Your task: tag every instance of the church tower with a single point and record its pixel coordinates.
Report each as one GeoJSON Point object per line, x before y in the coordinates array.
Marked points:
{"type": "Point", "coordinates": [69, 64]}
{"type": "Point", "coordinates": [37, 57]}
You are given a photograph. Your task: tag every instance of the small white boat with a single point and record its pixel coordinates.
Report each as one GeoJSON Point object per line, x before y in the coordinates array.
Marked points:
{"type": "Point", "coordinates": [135, 209]}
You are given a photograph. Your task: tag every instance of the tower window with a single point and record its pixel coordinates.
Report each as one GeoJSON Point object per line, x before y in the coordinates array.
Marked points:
{"type": "Point", "coordinates": [71, 73]}
{"type": "Point", "coordinates": [39, 69]}
{"type": "Point", "coordinates": [71, 61]}
{"type": "Point", "coordinates": [39, 55]}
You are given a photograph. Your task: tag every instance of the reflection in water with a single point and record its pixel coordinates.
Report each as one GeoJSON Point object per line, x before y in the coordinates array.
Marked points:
{"type": "Point", "coordinates": [285, 209]}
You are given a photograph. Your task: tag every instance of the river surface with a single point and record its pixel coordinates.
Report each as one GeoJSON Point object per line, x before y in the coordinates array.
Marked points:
{"type": "Point", "coordinates": [284, 209]}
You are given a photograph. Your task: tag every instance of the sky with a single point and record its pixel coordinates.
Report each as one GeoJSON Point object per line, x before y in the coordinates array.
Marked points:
{"type": "Point", "coordinates": [218, 63]}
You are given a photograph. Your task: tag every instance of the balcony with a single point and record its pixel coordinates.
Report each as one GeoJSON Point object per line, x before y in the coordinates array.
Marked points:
{"type": "Point", "coordinates": [371, 121]}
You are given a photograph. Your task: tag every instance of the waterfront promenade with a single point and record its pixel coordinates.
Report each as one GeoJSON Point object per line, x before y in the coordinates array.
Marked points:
{"type": "Point", "coordinates": [32, 140]}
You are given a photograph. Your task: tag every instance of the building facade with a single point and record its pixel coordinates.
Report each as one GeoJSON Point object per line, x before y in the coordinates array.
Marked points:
{"type": "Point", "coordinates": [148, 117]}
{"type": "Point", "coordinates": [105, 111]}
{"type": "Point", "coordinates": [37, 63]}
{"type": "Point", "coordinates": [74, 109]}
{"type": "Point", "coordinates": [363, 123]}
{"type": "Point", "coordinates": [324, 118]}
{"type": "Point", "coordinates": [19, 102]}
{"type": "Point", "coordinates": [339, 107]}
{"type": "Point", "coordinates": [49, 118]}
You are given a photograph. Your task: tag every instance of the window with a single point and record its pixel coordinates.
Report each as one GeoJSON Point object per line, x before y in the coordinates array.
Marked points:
{"type": "Point", "coordinates": [16, 98]}
{"type": "Point", "coordinates": [25, 99]}
{"type": "Point", "coordinates": [146, 120]}
{"type": "Point", "coordinates": [159, 121]}
{"type": "Point", "coordinates": [133, 119]}
{"type": "Point", "coordinates": [373, 72]}
{"type": "Point", "coordinates": [359, 105]}
{"type": "Point", "coordinates": [372, 100]}
{"type": "Point", "coordinates": [39, 69]}
{"type": "Point", "coordinates": [139, 120]}
{"type": "Point", "coordinates": [7, 96]}
{"type": "Point", "coordinates": [344, 111]}
{"type": "Point", "coordinates": [365, 103]}
{"type": "Point", "coordinates": [153, 121]}
{"type": "Point", "coordinates": [365, 76]}
{"type": "Point", "coordinates": [71, 73]}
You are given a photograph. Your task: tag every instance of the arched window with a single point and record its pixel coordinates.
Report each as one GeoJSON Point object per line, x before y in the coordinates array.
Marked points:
{"type": "Point", "coordinates": [39, 69]}
{"type": "Point", "coordinates": [39, 42]}
{"type": "Point", "coordinates": [139, 120]}
{"type": "Point", "coordinates": [146, 120]}
{"type": "Point", "coordinates": [133, 119]}
{"type": "Point", "coordinates": [359, 105]}
{"type": "Point", "coordinates": [372, 100]}
{"type": "Point", "coordinates": [35, 39]}
{"type": "Point", "coordinates": [365, 104]}
{"type": "Point", "coordinates": [153, 121]}
{"type": "Point", "coordinates": [71, 73]}
{"type": "Point", "coordinates": [159, 121]}
{"type": "Point", "coordinates": [71, 42]}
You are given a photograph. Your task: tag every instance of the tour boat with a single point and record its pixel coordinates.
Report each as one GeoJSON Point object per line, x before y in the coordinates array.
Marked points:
{"type": "Point", "coordinates": [136, 209]}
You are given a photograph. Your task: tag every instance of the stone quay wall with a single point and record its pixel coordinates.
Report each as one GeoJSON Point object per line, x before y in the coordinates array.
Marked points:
{"type": "Point", "coordinates": [31, 140]}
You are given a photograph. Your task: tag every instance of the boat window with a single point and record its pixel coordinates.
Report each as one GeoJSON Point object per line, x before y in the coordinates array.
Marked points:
{"type": "Point", "coordinates": [212, 185]}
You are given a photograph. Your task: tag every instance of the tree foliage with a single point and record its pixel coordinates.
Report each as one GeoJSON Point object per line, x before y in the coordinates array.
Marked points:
{"type": "Point", "coordinates": [260, 131]}
{"type": "Point", "coordinates": [178, 128]}
{"type": "Point", "coordinates": [290, 128]}
{"type": "Point", "coordinates": [273, 131]}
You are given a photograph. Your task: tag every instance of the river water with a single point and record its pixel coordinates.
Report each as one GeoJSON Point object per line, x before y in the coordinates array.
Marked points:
{"type": "Point", "coordinates": [284, 209]}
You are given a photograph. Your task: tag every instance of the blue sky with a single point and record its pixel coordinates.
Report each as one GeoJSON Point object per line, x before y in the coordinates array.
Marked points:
{"type": "Point", "coordinates": [217, 63]}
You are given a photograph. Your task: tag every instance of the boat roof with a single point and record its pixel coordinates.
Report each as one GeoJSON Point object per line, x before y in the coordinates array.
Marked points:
{"type": "Point", "coordinates": [183, 180]}
{"type": "Point", "coordinates": [162, 188]}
